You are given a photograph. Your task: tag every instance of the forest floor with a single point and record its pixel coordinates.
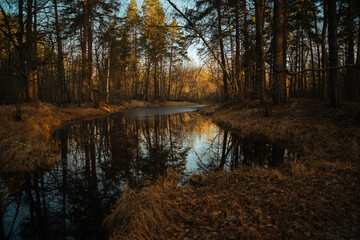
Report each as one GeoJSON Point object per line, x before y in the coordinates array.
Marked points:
{"type": "Point", "coordinates": [318, 198]}
{"type": "Point", "coordinates": [26, 144]}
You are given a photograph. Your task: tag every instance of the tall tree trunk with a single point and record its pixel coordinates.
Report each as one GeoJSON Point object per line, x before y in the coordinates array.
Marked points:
{"type": "Point", "coordinates": [260, 55]}
{"type": "Point", "coordinates": [357, 74]}
{"type": "Point", "coordinates": [135, 76]}
{"type": "Point", "coordinates": [313, 67]}
{"type": "Point", "coordinates": [170, 65]}
{"type": "Point", "coordinates": [156, 79]}
{"type": "Point", "coordinates": [302, 66]}
{"type": "Point", "coordinates": [220, 33]}
{"type": "Point", "coordinates": [237, 52]}
{"type": "Point", "coordinates": [21, 81]}
{"type": "Point", "coordinates": [83, 49]}
{"type": "Point", "coordinates": [30, 52]}
{"type": "Point", "coordinates": [232, 51]}
{"type": "Point", "coordinates": [60, 60]}
{"type": "Point", "coordinates": [148, 68]}
{"type": "Point", "coordinates": [246, 47]}
{"type": "Point", "coordinates": [36, 73]}
{"type": "Point", "coordinates": [318, 56]}
{"type": "Point", "coordinates": [278, 24]}
{"type": "Point", "coordinates": [351, 86]}
{"type": "Point", "coordinates": [324, 52]}
{"type": "Point", "coordinates": [108, 79]}
{"type": "Point", "coordinates": [334, 84]}
{"type": "Point", "coordinates": [90, 64]}
{"type": "Point", "coordinates": [285, 34]}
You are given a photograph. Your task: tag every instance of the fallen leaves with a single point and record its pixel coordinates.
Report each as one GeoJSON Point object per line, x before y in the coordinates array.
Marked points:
{"type": "Point", "coordinates": [272, 204]}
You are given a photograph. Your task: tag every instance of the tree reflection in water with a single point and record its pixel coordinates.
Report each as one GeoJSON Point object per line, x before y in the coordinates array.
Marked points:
{"type": "Point", "coordinates": [229, 149]}
{"type": "Point", "coordinates": [98, 157]}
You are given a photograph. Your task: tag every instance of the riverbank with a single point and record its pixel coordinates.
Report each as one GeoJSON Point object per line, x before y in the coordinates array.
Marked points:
{"type": "Point", "coordinates": [26, 144]}
{"type": "Point", "coordinates": [314, 199]}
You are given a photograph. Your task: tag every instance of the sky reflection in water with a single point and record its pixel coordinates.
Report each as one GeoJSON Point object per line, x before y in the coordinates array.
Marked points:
{"type": "Point", "coordinates": [71, 199]}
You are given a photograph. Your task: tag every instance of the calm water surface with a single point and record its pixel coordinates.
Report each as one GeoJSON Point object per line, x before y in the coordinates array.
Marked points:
{"type": "Point", "coordinates": [98, 157]}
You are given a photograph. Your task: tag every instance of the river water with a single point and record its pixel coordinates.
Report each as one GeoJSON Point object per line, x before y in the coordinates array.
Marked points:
{"type": "Point", "coordinates": [98, 157]}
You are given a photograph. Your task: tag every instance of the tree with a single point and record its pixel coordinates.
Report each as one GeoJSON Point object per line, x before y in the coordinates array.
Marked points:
{"type": "Point", "coordinates": [334, 84]}
{"type": "Point", "coordinates": [133, 21]}
{"type": "Point", "coordinates": [31, 51]}
{"type": "Point", "coordinates": [279, 93]}
{"type": "Point", "coordinates": [260, 58]}
{"type": "Point", "coordinates": [351, 85]}
{"type": "Point", "coordinates": [222, 51]}
{"type": "Point", "coordinates": [237, 52]}
{"type": "Point", "coordinates": [155, 44]}
{"type": "Point", "coordinates": [324, 59]}
{"type": "Point", "coordinates": [178, 49]}
{"type": "Point", "coordinates": [246, 47]}
{"type": "Point", "coordinates": [61, 97]}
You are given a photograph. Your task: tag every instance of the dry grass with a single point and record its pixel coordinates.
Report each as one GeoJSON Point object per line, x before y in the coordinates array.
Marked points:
{"type": "Point", "coordinates": [145, 213]}
{"type": "Point", "coordinates": [305, 125]}
{"type": "Point", "coordinates": [297, 201]}
{"type": "Point", "coordinates": [26, 145]}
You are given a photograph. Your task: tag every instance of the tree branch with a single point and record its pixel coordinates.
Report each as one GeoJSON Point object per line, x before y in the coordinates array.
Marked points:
{"type": "Point", "coordinates": [199, 34]}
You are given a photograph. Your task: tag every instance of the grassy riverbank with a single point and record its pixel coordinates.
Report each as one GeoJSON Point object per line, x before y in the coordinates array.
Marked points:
{"type": "Point", "coordinates": [26, 144]}
{"type": "Point", "coordinates": [315, 199]}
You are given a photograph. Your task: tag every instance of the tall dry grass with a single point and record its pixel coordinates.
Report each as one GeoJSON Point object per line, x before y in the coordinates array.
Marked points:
{"type": "Point", "coordinates": [25, 145]}
{"type": "Point", "coordinates": [144, 214]}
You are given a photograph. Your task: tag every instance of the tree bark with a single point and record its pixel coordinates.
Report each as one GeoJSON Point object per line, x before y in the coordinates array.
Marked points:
{"type": "Point", "coordinates": [30, 56]}
{"type": "Point", "coordinates": [351, 86]}
{"type": "Point", "coordinates": [278, 24]}
{"type": "Point", "coordinates": [313, 67]}
{"type": "Point", "coordinates": [237, 52]}
{"type": "Point", "coordinates": [260, 55]}
{"type": "Point", "coordinates": [60, 59]}
{"type": "Point", "coordinates": [318, 57]}
{"type": "Point", "coordinates": [84, 54]}
{"type": "Point", "coordinates": [324, 52]}
{"type": "Point", "coordinates": [135, 76]}
{"type": "Point", "coordinates": [108, 78]}
{"type": "Point", "coordinates": [220, 33]}
{"type": "Point", "coordinates": [334, 84]}
{"type": "Point", "coordinates": [285, 33]}
{"type": "Point", "coordinates": [90, 64]}
{"type": "Point", "coordinates": [170, 66]}
{"type": "Point", "coordinates": [246, 47]}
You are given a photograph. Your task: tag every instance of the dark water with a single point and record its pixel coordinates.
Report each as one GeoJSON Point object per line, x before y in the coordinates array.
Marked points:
{"type": "Point", "coordinates": [98, 157]}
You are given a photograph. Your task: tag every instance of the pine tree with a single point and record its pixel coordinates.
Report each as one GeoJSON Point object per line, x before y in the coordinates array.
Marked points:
{"type": "Point", "coordinates": [133, 22]}
{"type": "Point", "coordinates": [178, 49]}
{"type": "Point", "coordinates": [154, 38]}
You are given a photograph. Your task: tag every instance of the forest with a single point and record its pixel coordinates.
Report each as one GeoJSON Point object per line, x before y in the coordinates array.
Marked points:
{"type": "Point", "coordinates": [76, 51]}
{"type": "Point", "coordinates": [169, 119]}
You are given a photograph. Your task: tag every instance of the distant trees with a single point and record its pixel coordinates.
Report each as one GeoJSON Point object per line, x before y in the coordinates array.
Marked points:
{"type": "Point", "coordinates": [74, 51]}
{"type": "Point", "coordinates": [297, 52]}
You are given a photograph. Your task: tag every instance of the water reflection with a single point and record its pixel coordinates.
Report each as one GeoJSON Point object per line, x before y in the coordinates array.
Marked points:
{"type": "Point", "coordinates": [229, 149]}
{"type": "Point", "coordinates": [70, 200]}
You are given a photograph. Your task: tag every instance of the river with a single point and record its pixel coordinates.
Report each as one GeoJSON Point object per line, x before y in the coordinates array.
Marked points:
{"type": "Point", "coordinates": [99, 157]}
